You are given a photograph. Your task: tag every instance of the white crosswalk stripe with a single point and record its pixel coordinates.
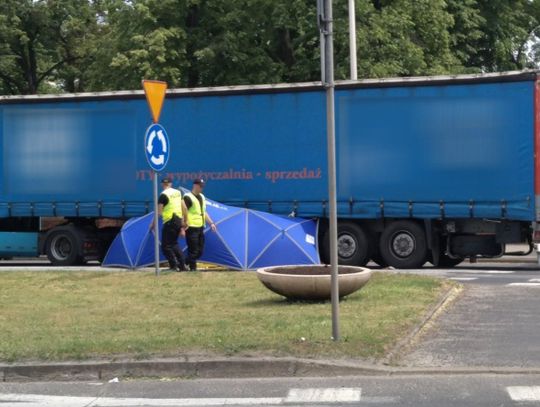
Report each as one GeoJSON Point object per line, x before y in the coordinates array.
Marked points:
{"type": "Point", "coordinates": [296, 396]}
{"type": "Point", "coordinates": [32, 400]}
{"type": "Point", "coordinates": [478, 271]}
{"type": "Point", "coordinates": [533, 282]}
{"type": "Point", "coordinates": [342, 395]}
{"type": "Point", "coordinates": [524, 393]}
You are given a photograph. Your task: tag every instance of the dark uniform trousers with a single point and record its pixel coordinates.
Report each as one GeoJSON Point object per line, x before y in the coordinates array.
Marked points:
{"type": "Point", "coordinates": [169, 240]}
{"type": "Point", "coordinates": [195, 244]}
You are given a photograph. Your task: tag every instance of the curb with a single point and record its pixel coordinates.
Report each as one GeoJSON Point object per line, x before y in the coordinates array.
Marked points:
{"type": "Point", "coordinates": [227, 368]}
{"type": "Point", "coordinates": [187, 368]}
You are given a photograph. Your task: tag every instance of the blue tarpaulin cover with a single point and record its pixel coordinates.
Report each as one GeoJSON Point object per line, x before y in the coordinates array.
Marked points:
{"type": "Point", "coordinates": [424, 149]}
{"type": "Point", "coordinates": [245, 239]}
{"type": "Point", "coordinates": [134, 245]}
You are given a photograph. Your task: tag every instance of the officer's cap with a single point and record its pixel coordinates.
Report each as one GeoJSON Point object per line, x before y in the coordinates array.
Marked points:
{"type": "Point", "coordinates": [198, 181]}
{"type": "Point", "coordinates": [166, 180]}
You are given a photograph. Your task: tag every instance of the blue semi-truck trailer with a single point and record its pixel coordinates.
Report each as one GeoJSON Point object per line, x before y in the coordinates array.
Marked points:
{"type": "Point", "coordinates": [434, 169]}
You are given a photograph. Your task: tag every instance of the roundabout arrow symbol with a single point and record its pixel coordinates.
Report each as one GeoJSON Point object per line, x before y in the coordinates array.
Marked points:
{"type": "Point", "coordinates": [159, 160]}
{"type": "Point", "coordinates": [150, 144]}
{"type": "Point", "coordinates": [161, 137]}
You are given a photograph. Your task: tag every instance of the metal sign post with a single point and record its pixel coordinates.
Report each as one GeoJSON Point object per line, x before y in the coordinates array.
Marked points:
{"type": "Point", "coordinates": [157, 158]}
{"type": "Point", "coordinates": [156, 225]}
{"type": "Point", "coordinates": [157, 155]}
{"type": "Point", "coordinates": [352, 39]}
{"type": "Point", "coordinates": [327, 75]}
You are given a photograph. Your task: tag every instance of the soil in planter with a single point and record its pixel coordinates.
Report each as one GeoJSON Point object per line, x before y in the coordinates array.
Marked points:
{"type": "Point", "coordinates": [312, 270]}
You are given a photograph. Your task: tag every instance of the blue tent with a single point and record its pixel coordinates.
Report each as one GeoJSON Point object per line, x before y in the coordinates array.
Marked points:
{"type": "Point", "coordinates": [134, 245]}
{"type": "Point", "coordinates": [245, 239]}
{"type": "Point", "coordinates": [248, 239]}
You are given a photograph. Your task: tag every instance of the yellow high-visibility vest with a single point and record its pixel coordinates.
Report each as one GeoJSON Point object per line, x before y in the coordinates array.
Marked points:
{"type": "Point", "coordinates": [174, 207]}
{"type": "Point", "coordinates": [196, 214]}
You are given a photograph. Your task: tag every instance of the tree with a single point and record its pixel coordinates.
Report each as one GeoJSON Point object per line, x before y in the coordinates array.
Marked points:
{"type": "Point", "coordinates": [225, 42]}
{"type": "Point", "coordinates": [229, 43]}
{"type": "Point", "coordinates": [91, 45]}
{"type": "Point", "coordinates": [403, 37]}
{"type": "Point", "coordinates": [508, 26]}
{"type": "Point", "coordinates": [207, 42]}
{"type": "Point", "coordinates": [140, 39]}
{"type": "Point", "coordinates": [466, 33]}
{"type": "Point", "coordinates": [259, 41]}
{"type": "Point", "coordinates": [38, 38]}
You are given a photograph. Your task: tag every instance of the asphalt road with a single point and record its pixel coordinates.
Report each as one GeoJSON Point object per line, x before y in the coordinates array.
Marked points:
{"type": "Point", "coordinates": [495, 273]}
{"type": "Point", "coordinates": [417, 391]}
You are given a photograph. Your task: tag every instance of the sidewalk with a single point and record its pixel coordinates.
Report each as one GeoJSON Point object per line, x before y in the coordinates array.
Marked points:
{"type": "Point", "coordinates": [489, 326]}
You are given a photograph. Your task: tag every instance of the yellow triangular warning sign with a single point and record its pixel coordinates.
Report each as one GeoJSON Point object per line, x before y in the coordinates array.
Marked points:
{"type": "Point", "coordinates": [155, 94]}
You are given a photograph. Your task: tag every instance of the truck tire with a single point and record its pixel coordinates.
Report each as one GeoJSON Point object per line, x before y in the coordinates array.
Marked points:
{"type": "Point", "coordinates": [63, 246]}
{"type": "Point", "coordinates": [354, 248]}
{"type": "Point", "coordinates": [403, 245]}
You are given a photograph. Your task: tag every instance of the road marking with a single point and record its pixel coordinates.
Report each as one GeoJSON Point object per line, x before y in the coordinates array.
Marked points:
{"type": "Point", "coordinates": [524, 393]}
{"type": "Point", "coordinates": [463, 278]}
{"type": "Point", "coordinates": [380, 400]}
{"type": "Point", "coordinates": [34, 400]}
{"type": "Point", "coordinates": [523, 285]}
{"type": "Point", "coordinates": [298, 396]}
{"type": "Point", "coordinates": [337, 395]}
{"type": "Point", "coordinates": [475, 271]}
{"type": "Point", "coordinates": [534, 280]}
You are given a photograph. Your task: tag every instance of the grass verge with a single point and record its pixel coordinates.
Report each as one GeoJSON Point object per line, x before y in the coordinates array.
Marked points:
{"type": "Point", "coordinates": [80, 315]}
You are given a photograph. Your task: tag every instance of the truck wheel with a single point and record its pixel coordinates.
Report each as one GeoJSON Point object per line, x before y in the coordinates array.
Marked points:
{"type": "Point", "coordinates": [403, 245]}
{"type": "Point", "coordinates": [353, 245]}
{"type": "Point", "coordinates": [62, 247]}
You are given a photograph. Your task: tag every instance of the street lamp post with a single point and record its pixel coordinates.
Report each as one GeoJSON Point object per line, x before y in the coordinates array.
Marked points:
{"type": "Point", "coordinates": [327, 78]}
{"type": "Point", "coordinates": [352, 39]}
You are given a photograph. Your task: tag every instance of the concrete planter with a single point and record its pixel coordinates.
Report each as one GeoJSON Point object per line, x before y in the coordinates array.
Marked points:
{"type": "Point", "coordinates": [312, 282]}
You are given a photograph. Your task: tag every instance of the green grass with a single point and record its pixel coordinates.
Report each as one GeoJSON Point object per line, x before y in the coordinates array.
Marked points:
{"type": "Point", "coordinates": [61, 315]}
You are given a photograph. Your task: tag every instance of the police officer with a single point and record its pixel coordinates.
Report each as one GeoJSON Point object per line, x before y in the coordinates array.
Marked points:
{"type": "Point", "coordinates": [172, 210]}
{"type": "Point", "coordinates": [197, 217]}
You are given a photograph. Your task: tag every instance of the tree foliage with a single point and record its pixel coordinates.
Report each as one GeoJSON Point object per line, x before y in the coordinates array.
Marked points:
{"type": "Point", "coordinates": [43, 43]}
{"type": "Point", "coordinates": [89, 45]}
